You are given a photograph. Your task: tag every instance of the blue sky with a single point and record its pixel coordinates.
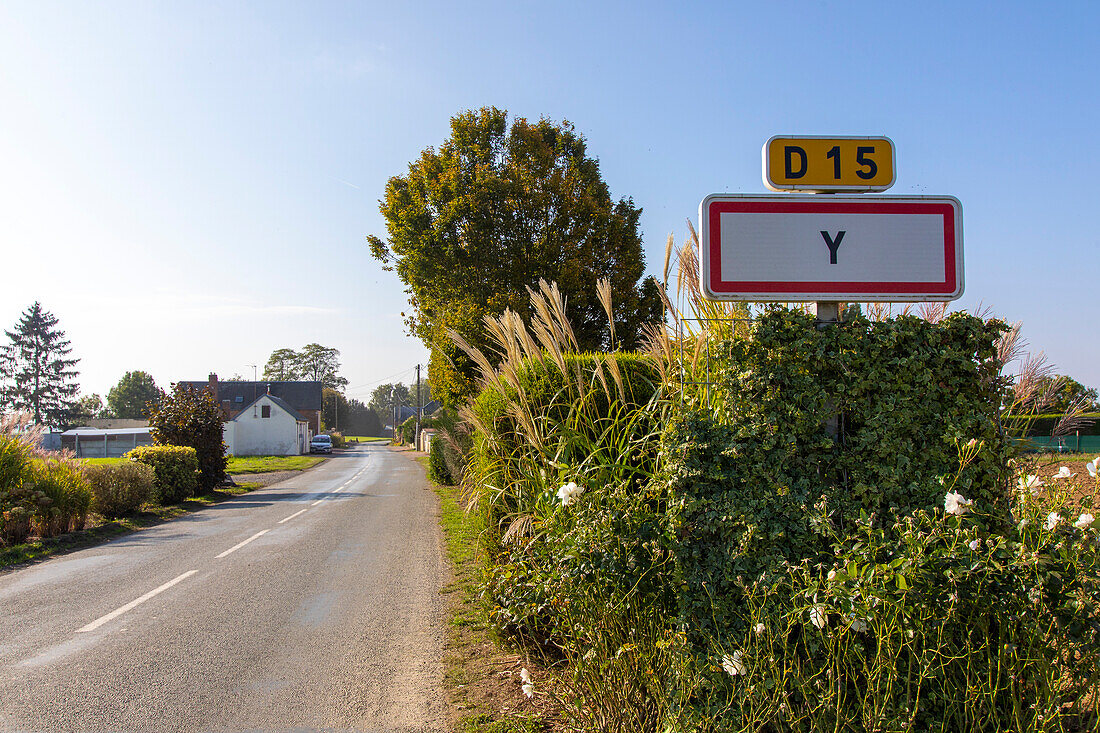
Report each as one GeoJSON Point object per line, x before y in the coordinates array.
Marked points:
{"type": "Point", "coordinates": [188, 186]}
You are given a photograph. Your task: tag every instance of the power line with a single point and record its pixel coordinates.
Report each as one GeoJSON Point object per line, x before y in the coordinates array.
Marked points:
{"type": "Point", "coordinates": [365, 386]}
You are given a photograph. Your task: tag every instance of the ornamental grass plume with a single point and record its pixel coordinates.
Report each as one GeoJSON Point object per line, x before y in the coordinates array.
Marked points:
{"type": "Point", "coordinates": [956, 504]}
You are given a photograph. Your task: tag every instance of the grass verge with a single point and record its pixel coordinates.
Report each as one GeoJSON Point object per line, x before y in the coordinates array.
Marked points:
{"type": "Point", "coordinates": [480, 675]}
{"type": "Point", "coordinates": [268, 464]}
{"type": "Point", "coordinates": [242, 464]}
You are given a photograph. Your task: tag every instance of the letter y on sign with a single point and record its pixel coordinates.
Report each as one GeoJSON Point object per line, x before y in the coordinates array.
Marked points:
{"type": "Point", "coordinates": [832, 244]}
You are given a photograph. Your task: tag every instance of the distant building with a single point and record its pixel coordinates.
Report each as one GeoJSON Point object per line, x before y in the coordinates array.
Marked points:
{"type": "Point", "coordinates": [234, 397]}
{"type": "Point", "coordinates": [268, 426]}
{"type": "Point", "coordinates": [104, 442]}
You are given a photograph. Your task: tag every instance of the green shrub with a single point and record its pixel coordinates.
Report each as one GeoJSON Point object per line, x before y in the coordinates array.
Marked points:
{"type": "Point", "coordinates": [1045, 425]}
{"type": "Point", "coordinates": [438, 470]}
{"type": "Point", "coordinates": [921, 622]}
{"type": "Point", "coordinates": [192, 417]}
{"type": "Point", "coordinates": [68, 496]}
{"type": "Point", "coordinates": [176, 470]}
{"type": "Point", "coordinates": [407, 431]}
{"type": "Point", "coordinates": [338, 440]}
{"type": "Point", "coordinates": [747, 471]}
{"type": "Point", "coordinates": [540, 416]}
{"type": "Point", "coordinates": [122, 488]}
{"type": "Point", "coordinates": [19, 499]}
{"type": "Point", "coordinates": [594, 423]}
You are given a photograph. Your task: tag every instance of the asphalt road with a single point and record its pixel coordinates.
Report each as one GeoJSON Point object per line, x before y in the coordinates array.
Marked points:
{"type": "Point", "coordinates": [312, 604]}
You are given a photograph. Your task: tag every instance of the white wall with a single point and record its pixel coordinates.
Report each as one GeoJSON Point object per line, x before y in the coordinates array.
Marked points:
{"type": "Point", "coordinates": [248, 434]}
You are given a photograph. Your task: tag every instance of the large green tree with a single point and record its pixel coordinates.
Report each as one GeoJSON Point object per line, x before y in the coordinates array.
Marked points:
{"type": "Point", "coordinates": [130, 397]}
{"type": "Point", "coordinates": [36, 373]}
{"type": "Point", "coordinates": [386, 396]}
{"type": "Point", "coordinates": [87, 408]}
{"type": "Point", "coordinates": [313, 362]}
{"type": "Point", "coordinates": [192, 417]}
{"type": "Point", "coordinates": [348, 415]}
{"type": "Point", "coordinates": [495, 209]}
{"type": "Point", "coordinates": [1066, 393]}
{"type": "Point", "coordinates": [281, 366]}
{"type": "Point", "coordinates": [321, 364]}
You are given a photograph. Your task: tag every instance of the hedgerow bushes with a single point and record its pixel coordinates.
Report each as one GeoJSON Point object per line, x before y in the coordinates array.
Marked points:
{"type": "Point", "coordinates": [120, 489]}
{"type": "Point", "coordinates": [713, 558]}
{"type": "Point", "coordinates": [175, 468]}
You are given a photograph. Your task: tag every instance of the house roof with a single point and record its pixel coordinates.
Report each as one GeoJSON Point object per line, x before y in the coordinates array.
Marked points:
{"type": "Point", "coordinates": [281, 403]}
{"type": "Point", "coordinates": [299, 395]}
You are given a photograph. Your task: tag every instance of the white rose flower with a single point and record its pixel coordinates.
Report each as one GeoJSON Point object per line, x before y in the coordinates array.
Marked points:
{"type": "Point", "coordinates": [955, 503]}
{"type": "Point", "coordinates": [525, 676]}
{"type": "Point", "coordinates": [528, 689]}
{"type": "Point", "coordinates": [759, 629]}
{"type": "Point", "coordinates": [858, 625]}
{"type": "Point", "coordinates": [1053, 519]}
{"type": "Point", "coordinates": [817, 616]}
{"type": "Point", "coordinates": [1031, 483]}
{"type": "Point", "coordinates": [733, 665]}
{"type": "Point", "coordinates": [831, 575]}
{"type": "Point", "coordinates": [973, 545]}
{"type": "Point", "coordinates": [1063, 472]}
{"type": "Point", "coordinates": [1093, 466]}
{"type": "Point", "coordinates": [569, 493]}
{"type": "Point", "coordinates": [1084, 521]}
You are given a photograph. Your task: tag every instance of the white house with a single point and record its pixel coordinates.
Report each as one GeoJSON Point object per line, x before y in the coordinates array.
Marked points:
{"type": "Point", "coordinates": [267, 426]}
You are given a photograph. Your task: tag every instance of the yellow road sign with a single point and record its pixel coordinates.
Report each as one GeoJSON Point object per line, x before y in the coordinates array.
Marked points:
{"type": "Point", "coordinates": [809, 163]}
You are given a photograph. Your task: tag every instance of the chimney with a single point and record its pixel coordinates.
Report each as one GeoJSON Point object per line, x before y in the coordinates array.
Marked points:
{"type": "Point", "coordinates": [269, 389]}
{"type": "Point", "coordinates": [212, 382]}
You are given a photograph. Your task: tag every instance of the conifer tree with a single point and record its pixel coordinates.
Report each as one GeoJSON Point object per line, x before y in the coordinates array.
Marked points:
{"type": "Point", "coordinates": [35, 371]}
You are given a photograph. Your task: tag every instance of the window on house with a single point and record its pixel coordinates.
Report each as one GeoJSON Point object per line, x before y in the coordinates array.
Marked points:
{"type": "Point", "coordinates": [265, 410]}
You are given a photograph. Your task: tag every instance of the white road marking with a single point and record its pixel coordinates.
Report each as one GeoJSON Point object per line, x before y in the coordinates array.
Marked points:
{"type": "Point", "coordinates": [239, 545]}
{"type": "Point", "coordinates": [293, 515]}
{"type": "Point", "coordinates": [137, 601]}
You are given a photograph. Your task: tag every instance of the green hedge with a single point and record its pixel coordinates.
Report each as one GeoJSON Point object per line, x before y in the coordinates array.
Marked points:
{"type": "Point", "coordinates": [1043, 425]}
{"type": "Point", "coordinates": [910, 393]}
{"type": "Point", "coordinates": [119, 489]}
{"type": "Point", "coordinates": [176, 469]}
{"type": "Point", "coordinates": [438, 470]}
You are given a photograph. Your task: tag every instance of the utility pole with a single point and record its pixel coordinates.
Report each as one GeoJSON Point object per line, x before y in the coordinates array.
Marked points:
{"type": "Point", "coordinates": [393, 398]}
{"type": "Point", "coordinates": [418, 407]}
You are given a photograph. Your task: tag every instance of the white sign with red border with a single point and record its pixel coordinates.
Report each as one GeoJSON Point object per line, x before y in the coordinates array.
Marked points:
{"type": "Point", "coordinates": [831, 248]}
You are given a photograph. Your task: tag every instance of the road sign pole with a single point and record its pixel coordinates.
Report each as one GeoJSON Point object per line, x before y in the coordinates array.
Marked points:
{"type": "Point", "coordinates": [828, 312]}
